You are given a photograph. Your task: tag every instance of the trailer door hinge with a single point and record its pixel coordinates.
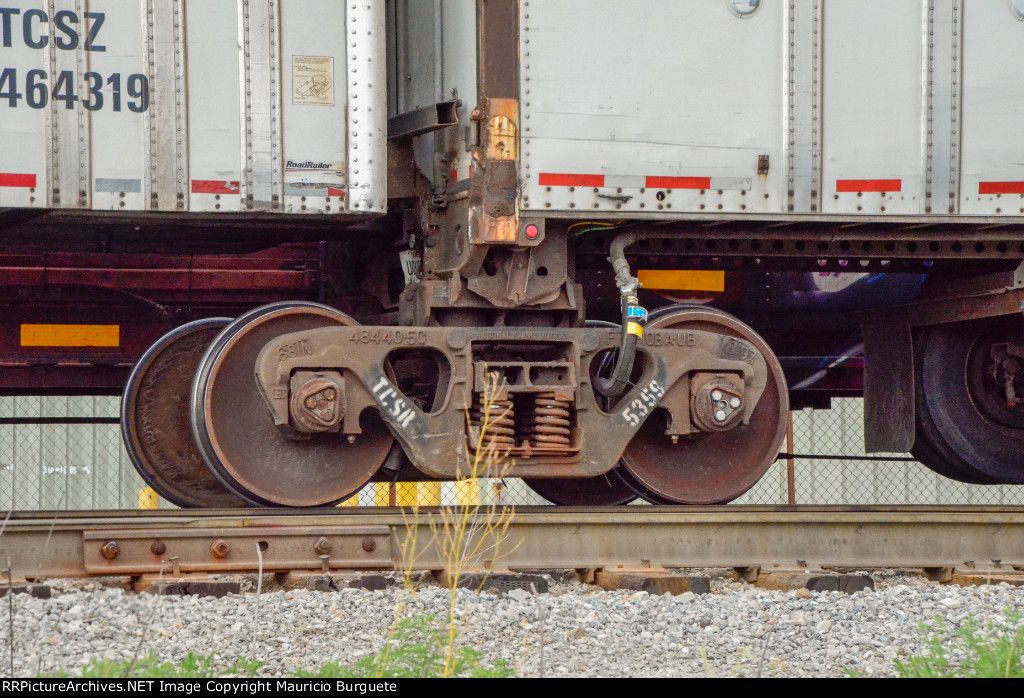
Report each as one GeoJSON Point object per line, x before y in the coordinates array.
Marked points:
{"type": "Point", "coordinates": [763, 163]}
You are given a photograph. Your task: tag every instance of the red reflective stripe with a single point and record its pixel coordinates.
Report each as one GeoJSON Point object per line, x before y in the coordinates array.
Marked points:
{"type": "Point", "coordinates": [454, 176]}
{"type": "Point", "coordinates": [571, 180]}
{"type": "Point", "coordinates": [209, 186]}
{"type": "Point", "coordinates": [331, 191]}
{"type": "Point", "coordinates": [845, 186]}
{"type": "Point", "coordinates": [17, 180]}
{"type": "Point", "coordinates": [1001, 188]}
{"type": "Point", "coordinates": [678, 182]}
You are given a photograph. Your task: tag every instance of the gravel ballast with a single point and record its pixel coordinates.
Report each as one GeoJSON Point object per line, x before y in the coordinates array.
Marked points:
{"type": "Point", "coordinates": [737, 629]}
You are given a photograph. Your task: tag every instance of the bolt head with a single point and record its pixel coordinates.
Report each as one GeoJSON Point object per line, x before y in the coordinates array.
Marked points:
{"type": "Point", "coordinates": [369, 545]}
{"type": "Point", "coordinates": [158, 547]}
{"type": "Point", "coordinates": [110, 550]}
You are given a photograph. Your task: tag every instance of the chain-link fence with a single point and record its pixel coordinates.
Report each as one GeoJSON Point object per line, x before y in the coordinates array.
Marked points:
{"type": "Point", "coordinates": [47, 466]}
{"type": "Point", "coordinates": [830, 467]}
{"type": "Point", "coordinates": [65, 453]}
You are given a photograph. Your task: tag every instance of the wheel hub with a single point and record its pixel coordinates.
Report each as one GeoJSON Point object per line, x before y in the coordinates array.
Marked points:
{"type": "Point", "coordinates": [995, 381]}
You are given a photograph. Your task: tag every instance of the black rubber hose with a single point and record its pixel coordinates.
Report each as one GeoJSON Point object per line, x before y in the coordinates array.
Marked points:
{"type": "Point", "coordinates": [614, 385]}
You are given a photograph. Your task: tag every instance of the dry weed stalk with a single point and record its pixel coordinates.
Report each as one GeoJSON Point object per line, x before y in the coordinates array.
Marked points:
{"type": "Point", "coordinates": [474, 535]}
{"type": "Point", "coordinates": [465, 537]}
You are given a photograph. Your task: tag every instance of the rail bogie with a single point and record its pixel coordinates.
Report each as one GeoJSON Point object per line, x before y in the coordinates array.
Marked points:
{"type": "Point", "coordinates": [607, 245]}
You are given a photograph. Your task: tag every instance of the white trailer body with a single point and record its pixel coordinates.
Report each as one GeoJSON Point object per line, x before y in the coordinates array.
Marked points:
{"type": "Point", "coordinates": [147, 105]}
{"type": "Point", "coordinates": [850, 107]}
{"type": "Point", "coordinates": [860, 108]}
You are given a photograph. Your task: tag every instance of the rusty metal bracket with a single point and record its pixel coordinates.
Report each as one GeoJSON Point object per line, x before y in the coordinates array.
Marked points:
{"type": "Point", "coordinates": [494, 188]}
{"type": "Point", "coordinates": [140, 551]}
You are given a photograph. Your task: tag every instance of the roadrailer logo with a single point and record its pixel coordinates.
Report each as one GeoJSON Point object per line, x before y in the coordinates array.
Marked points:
{"type": "Point", "coordinates": [308, 165]}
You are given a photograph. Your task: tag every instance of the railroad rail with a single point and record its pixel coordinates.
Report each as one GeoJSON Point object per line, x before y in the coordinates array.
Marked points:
{"type": "Point", "coordinates": [177, 543]}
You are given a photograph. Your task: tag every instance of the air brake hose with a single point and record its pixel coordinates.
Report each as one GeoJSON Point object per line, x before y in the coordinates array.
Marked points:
{"type": "Point", "coordinates": [634, 316]}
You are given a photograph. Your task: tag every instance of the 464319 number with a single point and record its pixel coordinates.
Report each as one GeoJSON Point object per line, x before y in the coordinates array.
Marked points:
{"type": "Point", "coordinates": [96, 92]}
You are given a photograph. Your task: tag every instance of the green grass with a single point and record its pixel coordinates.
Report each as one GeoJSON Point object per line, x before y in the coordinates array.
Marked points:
{"type": "Point", "coordinates": [972, 651]}
{"type": "Point", "coordinates": [193, 666]}
{"type": "Point", "coordinates": [991, 651]}
{"type": "Point", "coordinates": [417, 650]}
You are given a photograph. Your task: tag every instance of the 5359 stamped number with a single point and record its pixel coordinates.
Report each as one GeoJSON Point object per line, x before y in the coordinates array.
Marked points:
{"type": "Point", "coordinates": [639, 408]}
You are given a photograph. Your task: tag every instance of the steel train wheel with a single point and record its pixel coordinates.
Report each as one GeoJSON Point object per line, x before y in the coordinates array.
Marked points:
{"type": "Point", "coordinates": [967, 426]}
{"type": "Point", "coordinates": [606, 490]}
{"type": "Point", "coordinates": [709, 467]}
{"type": "Point", "coordinates": [155, 419]}
{"type": "Point", "coordinates": [240, 443]}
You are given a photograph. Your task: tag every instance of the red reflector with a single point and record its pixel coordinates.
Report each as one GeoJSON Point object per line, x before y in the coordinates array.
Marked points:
{"type": "Point", "coordinates": [17, 180]}
{"type": "Point", "coordinates": [678, 182]}
{"type": "Point", "coordinates": [208, 186]}
{"type": "Point", "coordinates": [571, 180]}
{"type": "Point", "coordinates": [1001, 188]}
{"type": "Point", "coordinates": [849, 186]}
{"type": "Point", "coordinates": [532, 231]}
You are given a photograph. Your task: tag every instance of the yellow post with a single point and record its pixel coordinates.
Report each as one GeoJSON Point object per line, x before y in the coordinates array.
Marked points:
{"type": "Point", "coordinates": [381, 492]}
{"type": "Point", "coordinates": [429, 494]}
{"type": "Point", "coordinates": [405, 495]}
{"type": "Point", "coordinates": [148, 498]}
{"type": "Point", "coordinates": [467, 493]}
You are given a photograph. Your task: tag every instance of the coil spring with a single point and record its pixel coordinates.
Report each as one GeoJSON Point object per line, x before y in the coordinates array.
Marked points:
{"type": "Point", "coordinates": [550, 425]}
{"type": "Point", "coordinates": [500, 432]}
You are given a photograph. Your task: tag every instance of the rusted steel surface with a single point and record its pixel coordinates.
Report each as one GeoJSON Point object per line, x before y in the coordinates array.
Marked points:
{"type": "Point", "coordinates": [243, 446]}
{"type": "Point", "coordinates": [722, 461]}
{"type": "Point", "coordinates": [155, 419]}
{"type": "Point", "coordinates": [234, 549]}
{"type": "Point", "coordinates": [106, 543]}
{"type": "Point", "coordinates": [499, 48]}
{"type": "Point", "coordinates": [140, 296]}
{"type": "Point", "coordinates": [169, 277]}
{"type": "Point", "coordinates": [494, 216]}
{"type": "Point", "coordinates": [433, 440]}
